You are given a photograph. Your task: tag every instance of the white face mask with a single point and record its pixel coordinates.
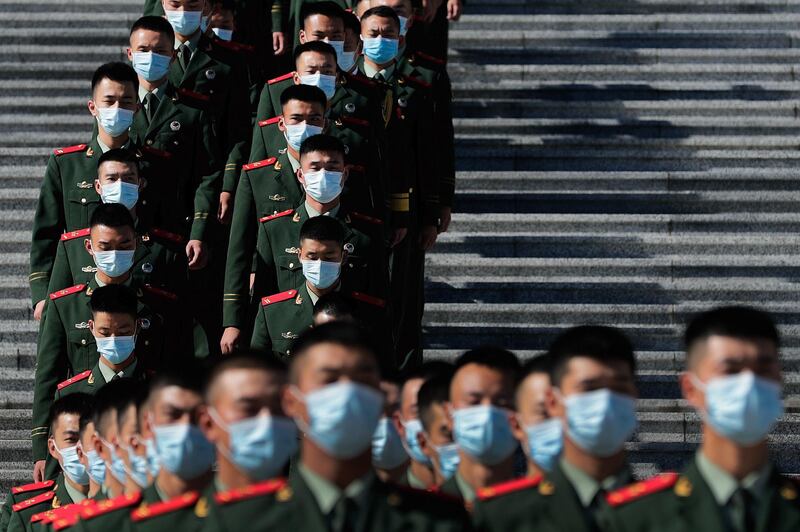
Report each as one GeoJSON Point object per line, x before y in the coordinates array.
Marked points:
{"type": "Point", "coordinates": [323, 185]}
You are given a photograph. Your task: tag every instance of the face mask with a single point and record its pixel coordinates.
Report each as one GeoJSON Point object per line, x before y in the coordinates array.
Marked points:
{"type": "Point", "coordinates": [545, 441]}
{"type": "Point", "coordinates": [184, 22]}
{"type": "Point", "coordinates": [323, 185]}
{"type": "Point", "coordinates": [72, 466]}
{"type": "Point", "coordinates": [600, 422]}
{"type": "Point", "coordinates": [741, 407]}
{"type": "Point", "coordinates": [322, 274]}
{"type": "Point", "coordinates": [338, 46]}
{"type": "Point", "coordinates": [387, 447]}
{"type": "Point", "coordinates": [183, 449]}
{"type": "Point", "coordinates": [403, 25]}
{"type": "Point", "coordinates": [379, 49]}
{"type": "Point", "coordinates": [126, 194]}
{"type": "Point", "coordinates": [342, 417]}
{"type": "Point", "coordinates": [223, 34]}
{"type": "Point", "coordinates": [296, 133]}
{"type": "Point", "coordinates": [448, 459]}
{"type": "Point", "coordinates": [203, 23]}
{"type": "Point", "coordinates": [484, 433]}
{"type": "Point", "coordinates": [414, 427]}
{"type": "Point", "coordinates": [346, 60]}
{"type": "Point", "coordinates": [116, 349]}
{"type": "Point", "coordinates": [97, 468]}
{"type": "Point", "coordinates": [153, 460]}
{"type": "Point", "coordinates": [151, 66]}
{"type": "Point", "coordinates": [259, 446]}
{"type": "Point", "coordinates": [325, 82]}
{"type": "Point", "coordinates": [114, 120]}
{"type": "Point", "coordinates": [117, 467]}
{"type": "Point", "coordinates": [115, 262]}
{"type": "Point", "coordinates": [138, 468]}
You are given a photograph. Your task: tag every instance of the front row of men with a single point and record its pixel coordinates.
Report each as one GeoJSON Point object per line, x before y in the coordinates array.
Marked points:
{"type": "Point", "coordinates": [438, 451]}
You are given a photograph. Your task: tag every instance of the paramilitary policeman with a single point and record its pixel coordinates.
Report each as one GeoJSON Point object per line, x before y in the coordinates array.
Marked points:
{"type": "Point", "coordinates": [283, 317]}
{"type": "Point", "coordinates": [733, 378]}
{"type": "Point", "coordinates": [594, 369]}
{"type": "Point", "coordinates": [298, 9]}
{"type": "Point", "coordinates": [334, 394]}
{"type": "Point", "coordinates": [68, 197]}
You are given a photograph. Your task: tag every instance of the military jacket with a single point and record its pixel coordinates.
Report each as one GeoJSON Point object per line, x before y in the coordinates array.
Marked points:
{"type": "Point", "coordinates": [18, 494]}
{"type": "Point", "coordinates": [58, 519]}
{"type": "Point", "coordinates": [244, 508]}
{"type": "Point", "coordinates": [184, 513]}
{"type": "Point", "coordinates": [91, 380]}
{"type": "Point", "coordinates": [110, 514]}
{"type": "Point", "coordinates": [21, 512]}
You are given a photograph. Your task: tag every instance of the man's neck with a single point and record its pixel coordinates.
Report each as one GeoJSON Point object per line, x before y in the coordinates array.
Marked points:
{"type": "Point", "coordinates": [731, 457]}
{"type": "Point", "coordinates": [114, 488]}
{"type": "Point", "coordinates": [229, 476]}
{"type": "Point", "coordinates": [94, 489]}
{"type": "Point", "coordinates": [77, 487]}
{"type": "Point", "coordinates": [423, 473]}
{"type": "Point", "coordinates": [319, 292]}
{"type": "Point", "coordinates": [479, 476]}
{"type": "Point", "coordinates": [116, 368]}
{"type": "Point", "coordinates": [105, 279]}
{"type": "Point", "coordinates": [294, 153]}
{"type": "Point", "coordinates": [112, 142]}
{"type": "Point", "coordinates": [596, 467]}
{"type": "Point", "coordinates": [322, 208]}
{"type": "Point", "coordinates": [534, 470]}
{"type": "Point", "coordinates": [172, 485]}
{"type": "Point", "coordinates": [150, 86]}
{"type": "Point", "coordinates": [186, 38]}
{"type": "Point", "coordinates": [340, 473]}
{"type": "Point", "coordinates": [376, 66]}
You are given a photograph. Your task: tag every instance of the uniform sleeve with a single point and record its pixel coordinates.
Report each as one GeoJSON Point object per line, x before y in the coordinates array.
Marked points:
{"type": "Point", "coordinates": [238, 129]}
{"type": "Point", "coordinates": [48, 224]}
{"type": "Point", "coordinates": [276, 12]}
{"type": "Point", "coordinates": [51, 368]}
{"type": "Point", "coordinates": [62, 272]}
{"type": "Point", "coordinates": [209, 180]}
{"type": "Point", "coordinates": [15, 523]}
{"type": "Point", "coordinates": [266, 271]}
{"type": "Point", "coordinates": [265, 109]}
{"type": "Point", "coordinates": [445, 136]}
{"type": "Point", "coordinates": [240, 256]}
{"type": "Point", "coordinates": [261, 342]}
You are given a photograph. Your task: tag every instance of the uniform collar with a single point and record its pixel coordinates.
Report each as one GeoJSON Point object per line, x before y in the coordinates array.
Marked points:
{"type": "Point", "coordinates": [413, 481]}
{"type": "Point", "coordinates": [313, 213]}
{"type": "Point", "coordinates": [74, 494]}
{"type": "Point", "coordinates": [723, 485]}
{"type": "Point", "coordinates": [294, 162]}
{"type": "Point", "coordinates": [466, 490]}
{"type": "Point", "coordinates": [314, 297]}
{"type": "Point", "coordinates": [100, 283]}
{"type": "Point", "coordinates": [587, 487]}
{"type": "Point", "coordinates": [109, 373]}
{"type": "Point", "coordinates": [386, 73]}
{"type": "Point", "coordinates": [192, 42]}
{"type": "Point", "coordinates": [104, 148]}
{"type": "Point", "coordinates": [158, 92]}
{"type": "Point", "coordinates": [327, 494]}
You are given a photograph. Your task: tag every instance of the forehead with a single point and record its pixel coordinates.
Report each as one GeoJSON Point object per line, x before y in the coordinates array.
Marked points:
{"type": "Point", "coordinates": [247, 382]}
{"type": "Point", "coordinates": [584, 367]}
{"type": "Point", "coordinates": [144, 36]}
{"type": "Point", "coordinates": [323, 156]}
{"type": "Point", "coordinates": [108, 86]}
{"type": "Point", "coordinates": [106, 319]}
{"type": "Point", "coordinates": [299, 106]}
{"type": "Point", "coordinates": [330, 355]}
{"type": "Point", "coordinates": [319, 20]}
{"type": "Point", "coordinates": [475, 377]}
{"type": "Point", "coordinates": [68, 421]}
{"type": "Point", "coordinates": [177, 397]}
{"type": "Point", "coordinates": [314, 58]}
{"type": "Point", "coordinates": [309, 245]}
{"type": "Point", "coordinates": [117, 167]}
{"type": "Point", "coordinates": [377, 21]}
{"type": "Point", "coordinates": [720, 348]}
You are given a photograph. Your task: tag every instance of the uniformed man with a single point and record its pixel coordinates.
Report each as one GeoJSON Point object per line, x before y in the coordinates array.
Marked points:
{"type": "Point", "coordinates": [733, 379]}
{"type": "Point", "coordinates": [321, 253]}
{"type": "Point", "coordinates": [300, 7]}
{"type": "Point", "coordinates": [436, 437]}
{"type": "Point", "coordinates": [348, 60]}
{"type": "Point", "coordinates": [594, 393]}
{"type": "Point", "coordinates": [419, 473]}
{"type": "Point", "coordinates": [322, 174]}
{"type": "Point", "coordinates": [131, 448]}
{"type": "Point", "coordinates": [539, 434]}
{"type": "Point", "coordinates": [389, 457]}
{"type": "Point", "coordinates": [94, 465]}
{"type": "Point", "coordinates": [482, 415]}
{"type": "Point", "coordinates": [72, 483]}
{"type": "Point", "coordinates": [254, 439]}
{"type": "Point", "coordinates": [333, 396]}
{"type": "Point", "coordinates": [67, 347]}
{"type": "Point", "coordinates": [67, 197]}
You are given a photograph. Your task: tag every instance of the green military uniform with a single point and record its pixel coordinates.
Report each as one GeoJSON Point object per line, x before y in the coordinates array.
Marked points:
{"type": "Point", "coordinates": [58, 519]}
{"type": "Point", "coordinates": [706, 498]}
{"type": "Point", "coordinates": [184, 513]}
{"type": "Point", "coordinates": [67, 347]}
{"type": "Point", "coordinates": [568, 499]}
{"type": "Point", "coordinates": [283, 317]}
{"type": "Point", "coordinates": [22, 512]}
{"type": "Point", "coordinates": [110, 514]}
{"type": "Point", "coordinates": [240, 509]}
{"type": "Point", "coordinates": [457, 488]}
{"type": "Point", "coordinates": [153, 8]}
{"type": "Point", "coordinates": [22, 493]}
{"type": "Point", "coordinates": [91, 380]}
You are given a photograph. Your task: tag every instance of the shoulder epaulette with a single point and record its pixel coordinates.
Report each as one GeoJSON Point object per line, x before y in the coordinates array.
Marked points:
{"type": "Point", "coordinates": [277, 298]}
{"type": "Point", "coordinates": [161, 292]}
{"type": "Point", "coordinates": [146, 511]}
{"type": "Point", "coordinates": [67, 291]}
{"type": "Point", "coordinates": [42, 497]}
{"type": "Point", "coordinates": [638, 490]}
{"type": "Point", "coordinates": [276, 215]}
{"type": "Point", "coordinates": [109, 505]}
{"type": "Point", "coordinates": [511, 486]}
{"type": "Point", "coordinates": [235, 46]}
{"type": "Point", "coordinates": [194, 95]}
{"type": "Point", "coordinates": [71, 149]}
{"type": "Point", "coordinates": [280, 78]}
{"type": "Point", "coordinates": [32, 487]}
{"type": "Point", "coordinates": [349, 120]}
{"type": "Point", "coordinates": [65, 522]}
{"type": "Point", "coordinates": [166, 235]}
{"type": "Point", "coordinates": [436, 60]}
{"type": "Point", "coordinates": [268, 121]}
{"type": "Point", "coordinates": [255, 490]}
{"type": "Point", "coordinates": [360, 79]}
{"type": "Point", "coordinates": [417, 81]}
{"type": "Point", "coordinates": [43, 516]}
{"type": "Point", "coordinates": [155, 151]}
{"type": "Point", "coordinates": [365, 218]}
{"type": "Point", "coordinates": [75, 234]}
{"type": "Point", "coordinates": [77, 378]}
{"type": "Point", "coordinates": [259, 164]}
{"type": "Point", "coordinates": [372, 300]}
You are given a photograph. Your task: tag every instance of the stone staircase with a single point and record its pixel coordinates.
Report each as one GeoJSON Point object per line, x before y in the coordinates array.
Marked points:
{"type": "Point", "coordinates": [620, 162]}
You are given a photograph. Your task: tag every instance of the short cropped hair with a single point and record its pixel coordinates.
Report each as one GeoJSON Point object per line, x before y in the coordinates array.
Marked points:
{"type": "Point", "coordinates": [492, 357]}
{"type": "Point", "coordinates": [303, 93]}
{"type": "Point", "coordinates": [383, 12]}
{"type": "Point", "coordinates": [352, 23]}
{"type": "Point", "coordinates": [345, 334]}
{"type": "Point", "coordinates": [321, 229]}
{"type": "Point", "coordinates": [243, 361]}
{"type": "Point", "coordinates": [109, 399]}
{"type": "Point", "coordinates": [320, 47]}
{"type": "Point", "coordinates": [154, 23]}
{"type": "Point", "coordinates": [120, 155]}
{"type": "Point", "coordinates": [321, 143]}
{"type": "Point", "coordinates": [600, 343]}
{"type": "Point", "coordinates": [114, 299]}
{"type": "Point", "coordinates": [335, 305]}
{"type": "Point", "coordinates": [79, 404]}
{"type": "Point", "coordinates": [744, 323]}
{"type": "Point", "coordinates": [112, 215]}
{"type": "Point", "coordinates": [434, 391]}
{"type": "Point", "coordinates": [328, 9]}
{"type": "Point", "coordinates": [116, 71]}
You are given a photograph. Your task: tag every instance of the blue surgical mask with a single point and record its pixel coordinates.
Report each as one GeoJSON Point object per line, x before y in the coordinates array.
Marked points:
{"type": "Point", "coordinates": [321, 273]}
{"type": "Point", "coordinates": [741, 407]}
{"type": "Point", "coordinates": [483, 432]}
{"type": "Point", "coordinates": [116, 349]}
{"type": "Point", "coordinates": [72, 466]}
{"type": "Point", "coordinates": [117, 466]}
{"type": "Point", "coordinates": [403, 25]}
{"type": "Point", "coordinates": [412, 428]}
{"type": "Point", "coordinates": [114, 120]}
{"type": "Point", "coordinates": [153, 460]}
{"type": "Point", "coordinates": [296, 133]}
{"type": "Point", "coordinates": [114, 263]}
{"type": "Point", "coordinates": [184, 450]}
{"type": "Point", "coordinates": [325, 82]}
{"type": "Point", "coordinates": [97, 468]}
{"type": "Point", "coordinates": [346, 60]}
{"type": "Point", "coordinates": [323, 185]}
{"type": "Point", "coordinates": [203, 23]}
{"type": "Point", "coordinates": [151, 66]}
{"type": "Point", "coordinates": [342, 417]}
{"type": "Point", "coordinates": [338, 46]}
{"type": "Point", "coordinates": [448, 459]}
{"type": "Point", "coordinates": [600, 421]}
{"type": "Point", "coordinates": [126, 194]}
{"type": "Point", "coordinates": [223, 34]}
{"type": "Point", "coordinates": [545, 441]}
{"type": "Point", "coordinates": [387, 447]}
{"type": "Point", "coordinates": [138, 468]}
{"type": "Point", "coordinates": [259, 446]}
{"type": "Point", "coordinates": [380, 49]}
{"type": "Point", "coordinates": [184, 22]}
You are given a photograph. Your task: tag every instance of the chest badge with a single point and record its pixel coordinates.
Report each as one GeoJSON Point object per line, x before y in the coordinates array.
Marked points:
{"type": "Point", "coordinates": [85, 184]}
{"type": "Point", "coordinates": [89, 269]}
{"type": "Point", "coordinates": [277, 197]}
{"type": "Point", "coordinates": [211, 74]}
{"type": "Point", "coordinates": [402, 102]}
{"type": "Point", "coordinates": [175, 125]}
{"type": "Point", "coordinates": [144, 323]}
{"type": "Point", "coordinates": [289, 335]}
{"type": "Point", "coordinates": [349, 247]}
{"type": "Point", "coordinates": [291, 251]}
{"type": "Point", "coordinates": [350, 107]}
{"type": "Point", "coordinates": [82, 325]}
{"type": "Point", "coordinates": [147, 267]}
